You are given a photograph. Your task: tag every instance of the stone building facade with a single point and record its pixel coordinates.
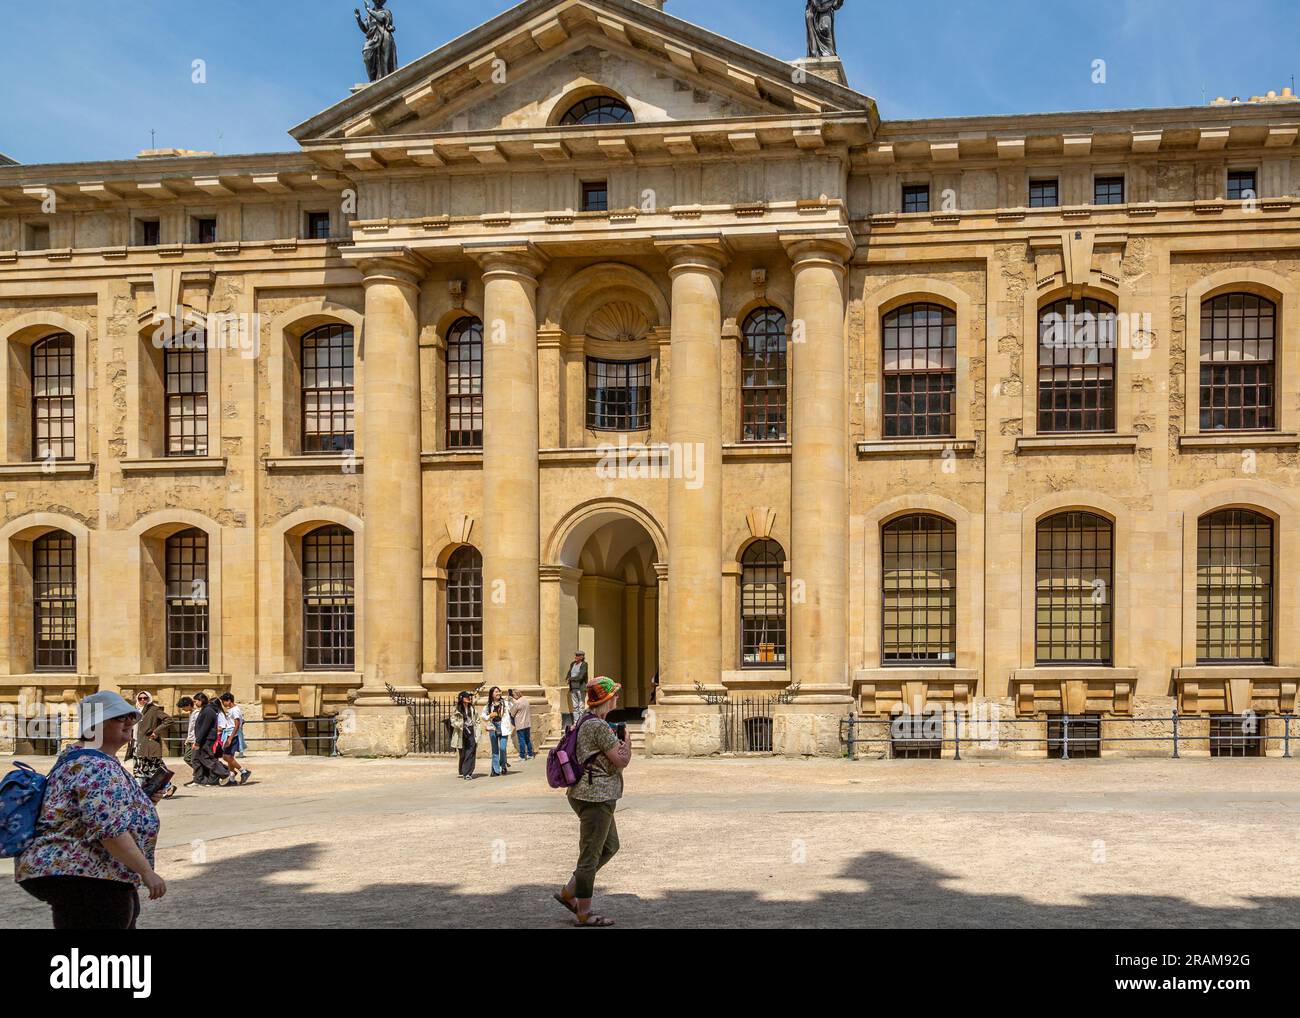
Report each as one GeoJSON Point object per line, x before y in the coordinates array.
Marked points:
{"type": "Point", "coordinates": [594, 328]}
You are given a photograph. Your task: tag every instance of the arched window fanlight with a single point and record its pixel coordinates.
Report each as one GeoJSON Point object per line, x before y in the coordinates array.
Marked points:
{"type": "Point", "coordinates": [599, 109]}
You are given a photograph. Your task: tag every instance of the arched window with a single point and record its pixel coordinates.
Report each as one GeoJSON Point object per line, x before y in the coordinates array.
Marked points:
{"type": "Point", "coordinates": [1076, 367]}
{"type": "Point", "coordinates": [1234, 587]}
{"type": "Point", "coordinates": [465, 610]}
{"type": "Point", "coordinates": [465, 385]}
{"type": "Point", "coordinates": [327, 389]}
{"type": "Point", "coordinates": [187, 601]}
{"type": "Point", "coordinates": [920, 368]}
{"type": "Point", "coordinates": [53, 399]}
{"type": "Point", "coordinates": [329, 600]}
{"type": "Point", "coordinates": [1074, 590]}
{"type": "Point", "coordinates": [919, 591]}
{"type": "Point", "coordinates": [186, 370]}
{"type": "Point", "coordinates": [1238, 331]}
{"type": "Point", "coordinates": [762, 606]}
{"type": "Point", "coordinates": [599, 109]}
{"type": "Point", "coordinates": [54, 602]}
{"type": "Point", "coordinates": [618, 395]}
{"type": "Point", "coordinates": [763, 377]}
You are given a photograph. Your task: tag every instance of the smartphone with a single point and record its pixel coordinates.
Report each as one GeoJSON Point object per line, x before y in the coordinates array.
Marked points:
{"type": "Point", "coordinates": [620, 730]}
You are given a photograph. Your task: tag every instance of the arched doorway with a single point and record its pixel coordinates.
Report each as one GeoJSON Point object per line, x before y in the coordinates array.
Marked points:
{"type": "Point", "coordinates": [609, 596]}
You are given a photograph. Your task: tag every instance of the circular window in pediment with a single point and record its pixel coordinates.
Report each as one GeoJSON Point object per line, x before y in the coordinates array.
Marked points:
{"type": "Point", "coordinates": [618, 322]}
{"type": "Point", "coordinates": [598, 109]}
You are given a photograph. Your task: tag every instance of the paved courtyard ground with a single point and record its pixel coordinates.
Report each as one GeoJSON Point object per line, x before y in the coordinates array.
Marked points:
{"type": "Point", "coordinates": [736, 843]}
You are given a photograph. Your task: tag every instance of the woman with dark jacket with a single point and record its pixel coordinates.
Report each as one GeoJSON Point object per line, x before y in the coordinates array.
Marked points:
{"type": "Point", "coordinates": [146, 749]}
{"type": "Point", "coordinates": [208, 768]}
{"type": "Point", "coordinates": [465, 727]}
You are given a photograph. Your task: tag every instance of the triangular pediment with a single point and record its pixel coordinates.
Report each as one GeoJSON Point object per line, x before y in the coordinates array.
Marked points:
{"type": "Point", "coordinates": [516, 72]}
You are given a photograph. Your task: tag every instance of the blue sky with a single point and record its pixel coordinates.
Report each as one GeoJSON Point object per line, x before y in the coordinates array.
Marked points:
{"type": "Point", "coordinates": [119, 70]}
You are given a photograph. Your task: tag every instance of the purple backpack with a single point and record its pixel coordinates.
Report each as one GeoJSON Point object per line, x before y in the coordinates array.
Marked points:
{"type": "Point", "coordinates": [563, 768]}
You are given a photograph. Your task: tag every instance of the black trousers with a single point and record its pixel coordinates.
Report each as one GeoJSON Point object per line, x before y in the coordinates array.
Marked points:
{"type": "Point", "coordinates": [207, 766]}
{"type": "Point", "coordinates": [467, 750]}
{"type": "Point", "coordinates": [83, 903]}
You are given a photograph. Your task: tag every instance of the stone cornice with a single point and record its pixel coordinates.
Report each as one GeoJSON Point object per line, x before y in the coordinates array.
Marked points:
{"type": "Point", "coordinates": [519, 258]}
{"type": "Point", "coordinates": [835, 246]}
{"type": "Point", "coordinates": [400, 265]}
{"type": "Point", "coordinates": [704, 251]}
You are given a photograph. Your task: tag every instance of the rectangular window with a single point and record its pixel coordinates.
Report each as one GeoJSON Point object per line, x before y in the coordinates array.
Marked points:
{"type": "Point", "coordinates": [1234, 587]}
{"type": "Point", "coordinates": [187, 402]}
{"type": "Point", "coordinates": [1044, 194]}
{"type": "Point", "coordinates": [1074, 590]}
{"type": "Point", "coordinates": [1241, 185]}
{"type": "Point", "coordinates": [915, 737]}
{"type": "Point", "coordinates": [916, 198]}
{"type": "Point", "coordinates": [1084, 736]}
{"type": "Point", "coordinates": [318, 226]}
{"type": "Point", "coordinates": [205, 231]}
{"type": "Point", "coordinates": [38, 237]}
{"type": "Point", "coordinates": [918, 592]}
{"type": "Point", "coordinates": [148, 232]}
{"type": "Point", "coordinates": [1237, 736]}
{"type": "Point", "coordinates": [1108, 191]}
{"type": "Point", "coordinates": [618, 395]}
{"type": "Point", "coordinates": [595, 196]}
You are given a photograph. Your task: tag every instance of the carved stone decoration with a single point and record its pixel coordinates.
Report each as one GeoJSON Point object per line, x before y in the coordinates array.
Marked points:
{"type": "Point", "coordinates": [759, 278]}
{"type": "Point", "coordinates": [820, 17]}
{"type": "Point", "coordinates": [761, 520]}
{"type": "Point", "coordinates": [456, 290]}
{"type": "Point", "coordinates": [618, 322]}
{"type": "Point", "coordinates": [459, 527]}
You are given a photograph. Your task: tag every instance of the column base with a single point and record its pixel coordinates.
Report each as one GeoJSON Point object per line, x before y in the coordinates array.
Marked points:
{"type": "Point", "coordinates": [374, 731]}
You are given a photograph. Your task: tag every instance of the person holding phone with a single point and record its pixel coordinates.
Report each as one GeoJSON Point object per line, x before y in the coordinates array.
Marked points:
{"type": "Point", "coordinates": [97, 829]}
{"type": "Point", "coordinates": [496, 718]}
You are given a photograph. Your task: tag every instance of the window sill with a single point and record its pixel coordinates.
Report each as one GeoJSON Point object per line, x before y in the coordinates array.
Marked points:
{"type": "Point", "coordinates": [162, 680]}
{"type": "Point", "coordinates": [756, 678]}
{"type": "Point", "coordinates": [736, 452]}
{"type": "Point", "coordinates": [452, 458]}
{"type": "Point", "coordinates": [344, 463]}
{"type": "Point", "coordinates": [1240, 440]}
{"type": "Point", "coordinates": [1065, 672]}
{"type": "Point", "coordinates": [348, 680]}
{"type": "Point", "coordinates": [41, 469]}
{"type": "Point", "coordinates": [175, 465]}
{"type": "Point", "coordinates": [58, 680]}
{"type": "Point", "coordinates": [1081, 442]}
{"type": "Point", "coordinates": [1227, 673]}
{"type": "Point", "coordinates": [916, 447]}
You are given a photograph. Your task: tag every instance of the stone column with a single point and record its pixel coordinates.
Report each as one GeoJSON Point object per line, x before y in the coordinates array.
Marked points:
{"type": "Point", "coordinates": [393, 614]}
{"type": "Point", "coordinates": [819, 505]}
{"type": "Point", "coordinates": [694, 632]}
{"type": "Point", "coordinates": [511, 488]}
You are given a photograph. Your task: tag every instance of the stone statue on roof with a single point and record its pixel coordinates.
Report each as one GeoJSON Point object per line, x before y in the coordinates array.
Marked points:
{"type": "Point", "coordinates": [380, 50]}
{"type": "Point", "coordinates": [820, 16]}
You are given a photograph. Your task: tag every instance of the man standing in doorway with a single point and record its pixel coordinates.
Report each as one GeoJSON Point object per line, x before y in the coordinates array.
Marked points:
{"type": "Point", "coordinates": [576, 678]}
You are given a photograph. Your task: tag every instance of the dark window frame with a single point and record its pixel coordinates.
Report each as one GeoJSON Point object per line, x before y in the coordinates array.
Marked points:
{"type": "Point", "coordinates": [912, 558]}
{"type": "Point", "coordinates": [1076, 381]}
{"type": "Point", "coordinates": [916, 198]}
{"type": "Point", "coordinates": [1226, 531]}
{"type": "Point", "coordinates": [597, 109]}
{"type": "Point", "coordinates": [187, 603]}
{"type": "Point", "coordinates": [1064, 584]}
{"type": "Point", "coordinates": [54, 602]}
{"type": "Point", "coordinates": [1109, 189]}
{"type": "Point", "coordinates": [1236, 178]}
{"type": "Point", "coordinates": [463, 389]}
{"type": "Point", "coordinates": [464, 601]}
{"type": "Point", "coordinates": [329, 599]}
{"type": "Point", "coordinates": [589, 190]}
{"type": "Point", "coordinates": [764, 607]}
{"type": "Point", "coordinates": [764, 377]}
{"type": "Point", "coordinates": [59, 349]}
{"type": "Point", "coordinates": [618, 404]}
{"type": "Point", "coordinates": [185, 396]}
{"type": "Point", "coordinates": [1237, 394]}
{"type": "Point", "coordinates": [312, 222]}
{"type": "Point", "coordinates": [934, 386]}
{"type": "Point", "coordinates": [205, 229]}
{"type": "Point", "coordinates": [1039, 194]}
{"type": "Point", "coordinates": [320, 349]}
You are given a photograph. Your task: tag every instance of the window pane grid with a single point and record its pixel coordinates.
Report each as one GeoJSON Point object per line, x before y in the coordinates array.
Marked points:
{"type": "Point", "coordinates": [1234, 587]}
{"type": "Point", "coordinates": [1076, 367]}
{"type": "Point", "coordinates": [187, 601]}
{"type": "Point", "coordinates": [920, 371]}
{"type": "Point", "coordinates": [1043, 194]}
{"type": "Point", "coordinates": [762, 606]}
{"type": "Point", "coordinates": [1238, 331]}
{"type": "Point", "coordinates": [1073, 590]}
{"type": "Point", "coordinates": [329, 600]}
{"type": "Point", "coordinates": [327, 390]}
{"type": "Point", "coordinates": [54, 601]}
{"type": "Point", "coordinates": [600, 109]}
{"type": "Point", "coordinates": [186, 373]}
{"type": "Point", "coordinates": [1108, 191]}
{"type": "Point", "coordinates": [1241, 185]}
{"type": "Point", "coordinates": [618, 395]}
{"type": "Point", "coordinates": [916, 198]}
{"type": "Point", "coordinates": [465, 610]}
{"type": "Point", "coordinates": [919, 592]}
{"type": "Point", "coordinates": [763, 378]}
{"type": "Point", "coordinates": [53, 399]}
{"type": "Point", "coordinates": [465, 385]}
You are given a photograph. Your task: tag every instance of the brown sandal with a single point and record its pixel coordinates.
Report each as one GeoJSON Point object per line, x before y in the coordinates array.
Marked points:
{"type": "Point", "coordinates": [569, 903]}
{"type": "Point", "coordinates": [592, 919]}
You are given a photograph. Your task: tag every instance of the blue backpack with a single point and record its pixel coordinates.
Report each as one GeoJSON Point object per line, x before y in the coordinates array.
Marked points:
{"type": "Point", "coordinates": [22, 793]}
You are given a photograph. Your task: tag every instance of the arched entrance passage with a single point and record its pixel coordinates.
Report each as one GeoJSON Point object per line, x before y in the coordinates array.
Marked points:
{"type": "Point", "coordinates": [606, 595]}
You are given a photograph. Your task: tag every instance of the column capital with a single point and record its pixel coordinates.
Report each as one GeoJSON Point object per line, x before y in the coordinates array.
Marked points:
{"type": "Point", "coordinates": [400, 266]}
{"type": "Point", "coordinates": [702, 252]}
{"type": "Point", "coordinates": [522, 258]}
{"type": "Point", "coordinates": [806, 248]}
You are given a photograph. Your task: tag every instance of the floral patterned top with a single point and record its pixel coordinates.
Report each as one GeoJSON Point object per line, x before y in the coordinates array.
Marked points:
{"type": "Point", "coordinates": [87, 800]}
